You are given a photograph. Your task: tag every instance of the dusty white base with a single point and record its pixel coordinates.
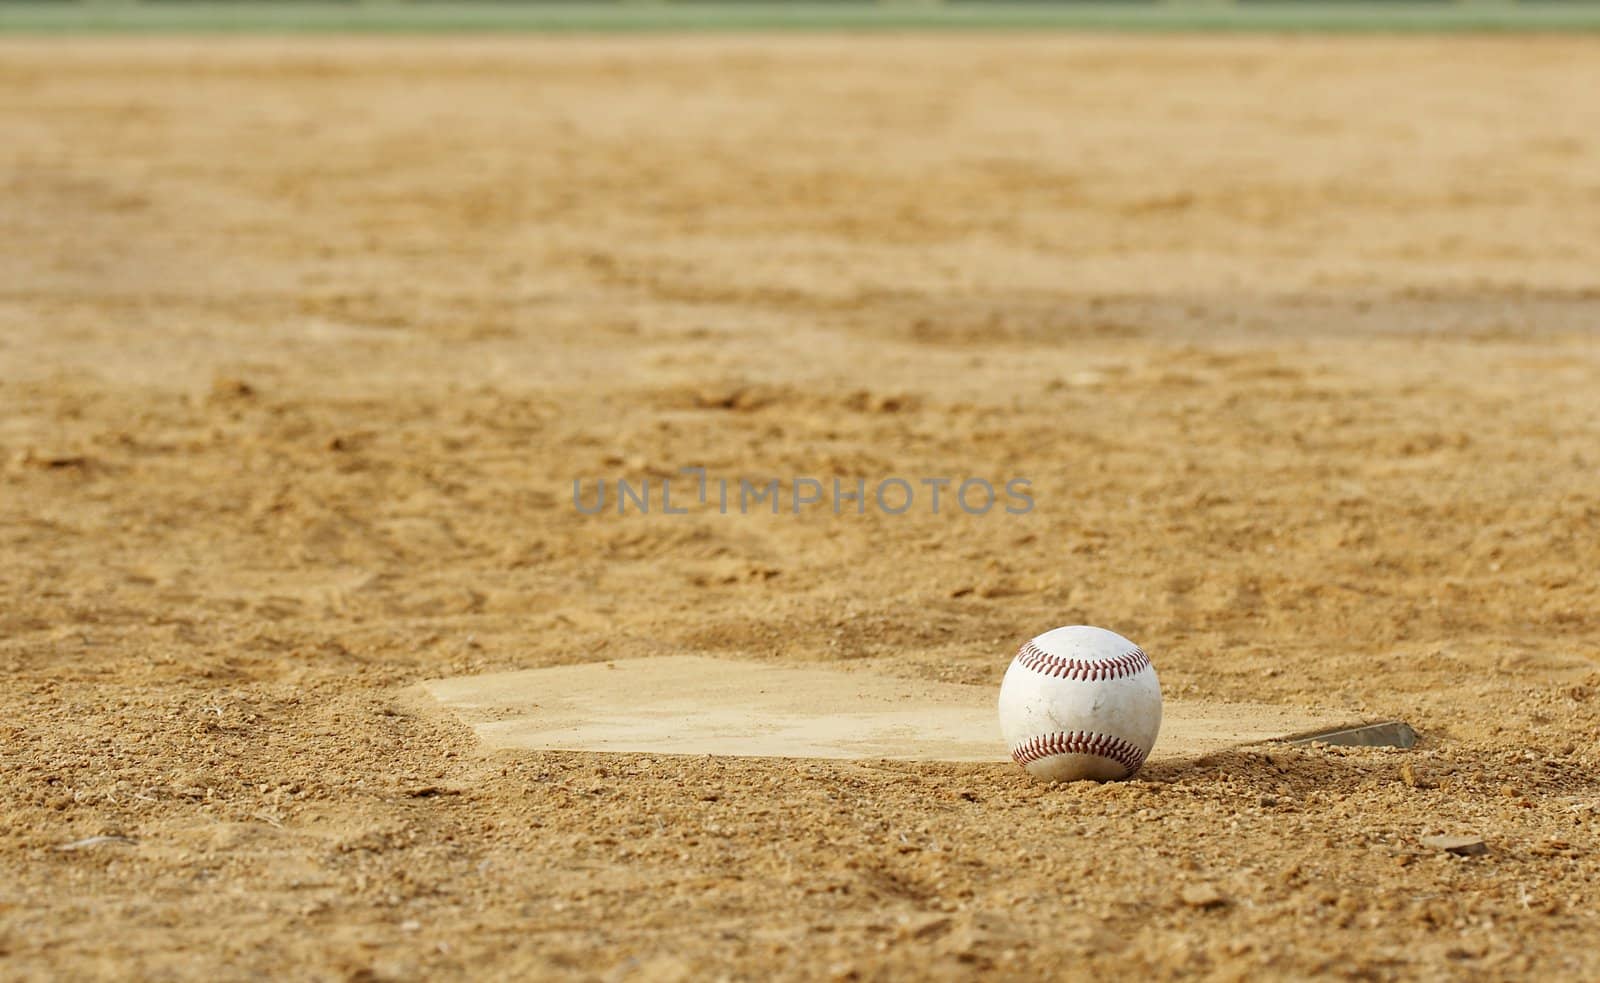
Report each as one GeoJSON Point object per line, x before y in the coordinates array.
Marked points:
{"type": "Point", "coordinates": [692, 705]}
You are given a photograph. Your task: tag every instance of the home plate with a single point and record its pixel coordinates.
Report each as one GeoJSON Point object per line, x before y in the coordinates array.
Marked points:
{"type": "Point", "coordinates": [699, 706]}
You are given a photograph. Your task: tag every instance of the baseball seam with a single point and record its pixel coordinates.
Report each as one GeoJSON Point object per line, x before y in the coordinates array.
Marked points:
{"type": "Point", "coordinates": [1121, 666]}
{"type": "Point", "coordinates": [1130, 756]}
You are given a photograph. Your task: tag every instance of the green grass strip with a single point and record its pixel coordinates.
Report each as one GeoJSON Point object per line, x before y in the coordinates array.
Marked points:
{"type": "Point", "coordinates": [113, 17]}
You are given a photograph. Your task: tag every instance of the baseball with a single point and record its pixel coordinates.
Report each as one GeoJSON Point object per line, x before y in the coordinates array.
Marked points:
{"type": "Point", "coordinates": [1080, 702]}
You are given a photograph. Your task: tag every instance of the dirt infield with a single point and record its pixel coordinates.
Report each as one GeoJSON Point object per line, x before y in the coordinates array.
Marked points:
{"type": "Point", "coordinates": [303, 344]}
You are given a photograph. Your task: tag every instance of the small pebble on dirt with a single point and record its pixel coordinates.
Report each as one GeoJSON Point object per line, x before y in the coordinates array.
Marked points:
{"type": "Point", "coordinates": [1461, 846]}
{"type": "Point", "coordinates": [1202, 896]}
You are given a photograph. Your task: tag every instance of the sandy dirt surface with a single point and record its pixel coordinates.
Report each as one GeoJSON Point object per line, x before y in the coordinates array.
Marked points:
{"type": "Point", "coordinates": [302, 345]}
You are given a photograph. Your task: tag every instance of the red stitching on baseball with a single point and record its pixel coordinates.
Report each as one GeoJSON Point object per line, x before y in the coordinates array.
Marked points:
{"type": "Point", "coordinates": [1129, 756]}
{"type": "Point", "coordinates": [1117, 667]}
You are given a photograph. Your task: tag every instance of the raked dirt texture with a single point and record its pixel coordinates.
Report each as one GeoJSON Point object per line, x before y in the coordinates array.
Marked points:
{"type": "Point", "coordinates": [304, 343]}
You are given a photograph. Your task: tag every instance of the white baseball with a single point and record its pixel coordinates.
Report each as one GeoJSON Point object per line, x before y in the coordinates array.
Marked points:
{"type": "Point", "coordinates": [1080, 702]}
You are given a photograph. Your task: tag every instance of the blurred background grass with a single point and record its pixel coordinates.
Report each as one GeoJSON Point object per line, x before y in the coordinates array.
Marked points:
{"type": "Point", "coordinates": [426, 16]}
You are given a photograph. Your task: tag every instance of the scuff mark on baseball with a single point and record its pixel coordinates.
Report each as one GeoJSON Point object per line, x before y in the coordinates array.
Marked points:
{"type": "Point", "coordinates": [1080, 703]}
